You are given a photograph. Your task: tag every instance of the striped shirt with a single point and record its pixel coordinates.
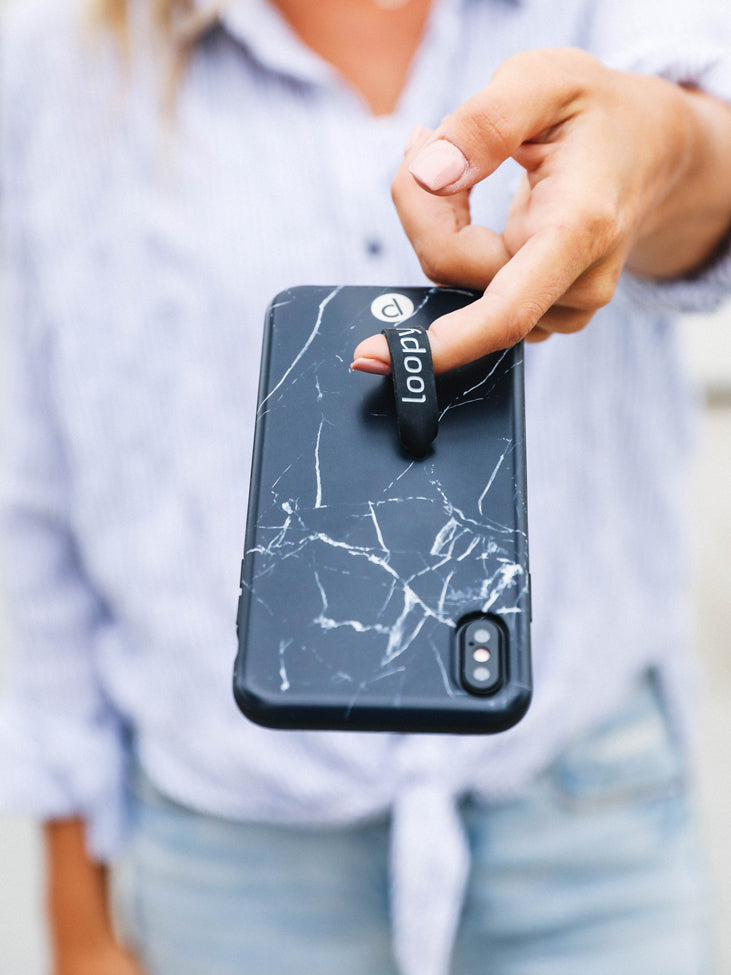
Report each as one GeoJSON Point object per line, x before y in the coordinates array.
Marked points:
{"type": "Point", "coordinates": [141, 261]}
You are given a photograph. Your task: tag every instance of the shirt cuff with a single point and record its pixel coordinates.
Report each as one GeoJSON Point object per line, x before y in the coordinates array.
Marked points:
{"type": "Point", "coordinates": [705, 291]}
{"type": "Point", "coordinates": [51, 770]}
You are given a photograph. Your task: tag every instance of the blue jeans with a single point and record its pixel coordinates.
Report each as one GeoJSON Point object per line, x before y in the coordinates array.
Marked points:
{"type": "Point", "coordinates": [594, 872]}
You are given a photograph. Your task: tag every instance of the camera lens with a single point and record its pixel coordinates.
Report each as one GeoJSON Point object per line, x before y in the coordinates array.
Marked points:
{"type": "Point", "coordinates": [481, 646]}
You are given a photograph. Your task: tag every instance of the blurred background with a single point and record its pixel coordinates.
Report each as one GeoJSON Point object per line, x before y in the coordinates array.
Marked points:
{"type": "Point", "coordinates": [707, 349]}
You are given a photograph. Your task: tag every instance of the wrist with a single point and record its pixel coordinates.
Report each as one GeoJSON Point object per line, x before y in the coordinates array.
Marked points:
{"type": "Point", "coordinates": [77, 897]}
{"type": "Point", "coordinates": [692, 217]}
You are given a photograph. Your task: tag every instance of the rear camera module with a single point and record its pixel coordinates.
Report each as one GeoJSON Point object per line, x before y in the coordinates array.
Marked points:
{"type": "Point", "coordinates": [479, 642]}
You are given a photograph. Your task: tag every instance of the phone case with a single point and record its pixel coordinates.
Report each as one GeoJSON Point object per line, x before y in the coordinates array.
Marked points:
{"type": "Point", "coordinates": [379, 591]}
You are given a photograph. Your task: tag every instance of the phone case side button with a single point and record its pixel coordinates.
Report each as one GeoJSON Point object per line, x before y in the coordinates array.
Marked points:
{"type": "Point", "coordinates": [238, 614]}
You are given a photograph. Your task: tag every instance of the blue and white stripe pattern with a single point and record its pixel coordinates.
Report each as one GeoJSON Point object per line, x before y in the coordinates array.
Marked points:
{"type": "Point", "coordinates": [141, 263]}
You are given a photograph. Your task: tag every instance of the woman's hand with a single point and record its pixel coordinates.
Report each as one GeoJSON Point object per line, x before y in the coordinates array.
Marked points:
{"type": "Point", "coordinates": [80, 925]}
{"type": "Point", "coordinates": [620, 170]}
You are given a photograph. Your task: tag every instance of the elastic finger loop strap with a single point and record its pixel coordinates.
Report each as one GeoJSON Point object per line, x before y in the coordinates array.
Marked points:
{"type": "Point", "coordinates": [415, 391]}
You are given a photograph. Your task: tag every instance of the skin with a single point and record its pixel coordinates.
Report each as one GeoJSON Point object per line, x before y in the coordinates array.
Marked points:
{"type": "Point", "coordinates": [371, 47]}
{"type": "Point", "coordinates": [620, 170]}
{"type": "Point", "coordinates": [80, 926]}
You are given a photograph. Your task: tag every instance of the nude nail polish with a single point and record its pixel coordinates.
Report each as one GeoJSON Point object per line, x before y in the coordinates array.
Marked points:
{"type": "Point", "coordinates": [438, 165]}
{"type": "Point", "coordinates": [373, 366]}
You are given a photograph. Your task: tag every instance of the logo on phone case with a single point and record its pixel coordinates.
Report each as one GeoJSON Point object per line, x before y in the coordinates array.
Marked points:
{"type": "Point", "coordinates": [392, 308]}
{"type": "Point", "coordinates": [412, 361]}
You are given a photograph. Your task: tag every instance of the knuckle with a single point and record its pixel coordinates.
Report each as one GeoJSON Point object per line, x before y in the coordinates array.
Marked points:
{"type": "Point", "coordinates": [437, 268]}
{"type": "Point", "coordinates": [604, 291]}
{"type": "Point", "coordinates": [599, 291]}
{"type": "Point", "coordinates": [577, 322]}
{"type": "Point", "coordinates": [597, 228]}
{"type": "Point", "coordinates": [519, 319]}
{"type": "Point", "coordinates": [438, 334]}
{"type": "Point", "coordinates": [574, 60]}
{"type": "Point", "coordinates": [440, 255]}
{"type": "Point", "coordinates": [492, 121]}
{"type": "Point", "coordinates": [526, 63]}
{"type": "Point", "coordinates": [576, 71]}
{"type": "Point", "coordinates": [568, 67]}
{"type": "Point", "coordinates": [528, 313]}
{"type": "Point", "coordinates": [538, 335]}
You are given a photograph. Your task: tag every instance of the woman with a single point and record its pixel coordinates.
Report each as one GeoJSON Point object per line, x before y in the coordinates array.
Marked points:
{"type": "Point", "coordinates": [142, 255]}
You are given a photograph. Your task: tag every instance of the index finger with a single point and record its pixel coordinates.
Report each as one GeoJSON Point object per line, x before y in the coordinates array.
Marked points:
{"type": "Point", "coordinates": [518, 297]}
{"type": "Point", "coordinates": [520, 294]}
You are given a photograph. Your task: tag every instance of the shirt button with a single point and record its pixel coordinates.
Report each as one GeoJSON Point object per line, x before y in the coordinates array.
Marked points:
{"type": "Point", "coordinates": [374, 247]}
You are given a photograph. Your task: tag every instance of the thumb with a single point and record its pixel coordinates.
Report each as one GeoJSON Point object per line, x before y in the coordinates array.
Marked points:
{"type": "Point", "coordinates": [530, 93]}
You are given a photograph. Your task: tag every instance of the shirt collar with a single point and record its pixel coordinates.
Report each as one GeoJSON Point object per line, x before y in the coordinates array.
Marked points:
{"type": "Point", "coordinates": [260, 27]}
{"type": "Point", "coordinates": [263, 31]}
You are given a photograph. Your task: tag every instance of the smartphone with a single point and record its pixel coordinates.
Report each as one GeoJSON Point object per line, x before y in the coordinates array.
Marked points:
{"type": "Point", "coordinates": [380, 592]}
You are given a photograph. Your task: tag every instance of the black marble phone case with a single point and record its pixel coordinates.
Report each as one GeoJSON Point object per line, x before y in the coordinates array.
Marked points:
{"type": "Point", "coordinates": [360, 562]}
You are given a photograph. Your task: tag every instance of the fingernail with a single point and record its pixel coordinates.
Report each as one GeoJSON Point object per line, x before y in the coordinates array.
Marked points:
{"type": "Point", "coordinates": [373, 366]}
{"type": "Point", "coordinates": [438, 165]}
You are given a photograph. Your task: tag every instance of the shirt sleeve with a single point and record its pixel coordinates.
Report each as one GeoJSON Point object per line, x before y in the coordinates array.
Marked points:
{"type": "Point", "coordinates": [62, 745]}
{"type": "Point", "coordinates": [687, 42]}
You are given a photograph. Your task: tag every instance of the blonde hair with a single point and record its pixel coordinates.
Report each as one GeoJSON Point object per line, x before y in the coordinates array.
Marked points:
{"type": "Point", "coordinates": [177, 23]}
